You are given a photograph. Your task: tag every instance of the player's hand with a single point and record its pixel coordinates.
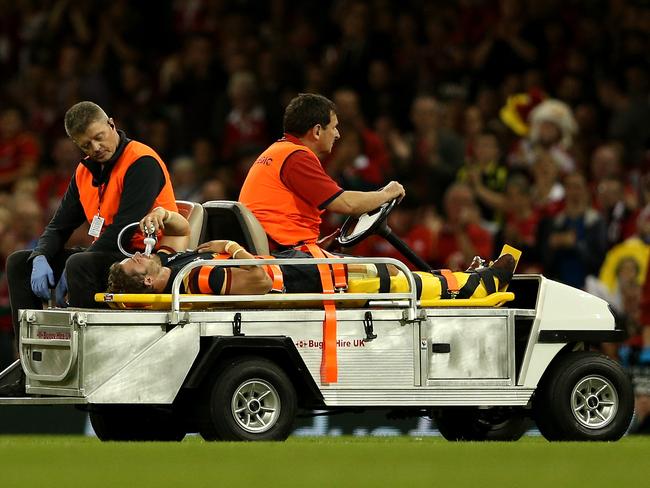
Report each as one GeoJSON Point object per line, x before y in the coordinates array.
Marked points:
{"type": "Point", "coordinates": [154, 221]}
{"type": "Point", "coordinates": [218, 246]}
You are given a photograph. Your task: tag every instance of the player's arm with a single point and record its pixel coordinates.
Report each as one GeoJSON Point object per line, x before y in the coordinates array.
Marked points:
{"type": "Point", "coordinates": [242, 280]}
{"type": "Point", "coordinates": [175, 228]}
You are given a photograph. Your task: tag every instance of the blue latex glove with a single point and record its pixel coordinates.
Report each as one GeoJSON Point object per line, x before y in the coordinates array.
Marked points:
{"type": "Point", "coordinates": [644, 356]}
{"type": "Point", "coordinates": [42, 277]}
{"type": "Point", "coordinates": [61, 290]}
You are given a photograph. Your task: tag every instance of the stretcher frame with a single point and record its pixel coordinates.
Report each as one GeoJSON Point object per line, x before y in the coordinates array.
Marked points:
{"type": "Point", "coordinates": [177, 299]}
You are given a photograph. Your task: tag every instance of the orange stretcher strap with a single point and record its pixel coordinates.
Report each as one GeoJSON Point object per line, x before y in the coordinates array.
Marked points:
{"type": "Point", "coordinates": [340, 276]}
{"type": "Point", "coordinates": [329, 364]}
{"type": "Point", "coordinates": [275, 273]}
{"type": "Point", "coordinates": [452, 282]}
{"type": "Point", "coordinates": [204, 279]}
{"type": "Point", "coordinates": [338, 269]}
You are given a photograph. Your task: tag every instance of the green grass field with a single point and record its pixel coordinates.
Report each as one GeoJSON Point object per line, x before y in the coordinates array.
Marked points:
{"type": "Point", "coordinates": [48, 461]}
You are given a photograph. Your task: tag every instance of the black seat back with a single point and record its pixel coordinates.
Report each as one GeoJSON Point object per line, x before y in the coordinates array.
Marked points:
{"type": "Point", "coordinates": [231, 220]}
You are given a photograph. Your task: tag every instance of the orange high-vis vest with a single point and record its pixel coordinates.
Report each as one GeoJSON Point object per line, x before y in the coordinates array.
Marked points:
{"type": "Point", "coordinates": [111, 192]}
{"type": "Point", "coordinates": [285, 217]}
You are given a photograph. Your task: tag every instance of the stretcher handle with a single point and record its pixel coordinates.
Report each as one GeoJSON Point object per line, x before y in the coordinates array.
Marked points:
{"type": "Point", "coordinates": [411, 312]}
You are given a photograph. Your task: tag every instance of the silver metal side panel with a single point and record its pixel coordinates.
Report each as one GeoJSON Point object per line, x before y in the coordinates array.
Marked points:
{"type": "Point", "coordinates": [390, 360]}
{"type": "Point", "coordinates": [156, 374]}
{"type": "Point", "coordinates": [108, 349]}
{"type": "Point", "coordinates": [61, 353]}
{"type": "Point", "coordinates": [118, 356]}
{"type": "Point", "coordinates": [479, 348]}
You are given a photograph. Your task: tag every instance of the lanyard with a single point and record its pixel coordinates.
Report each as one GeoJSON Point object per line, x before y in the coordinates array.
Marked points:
{"type": "Point", "coordinates": [101, 189]}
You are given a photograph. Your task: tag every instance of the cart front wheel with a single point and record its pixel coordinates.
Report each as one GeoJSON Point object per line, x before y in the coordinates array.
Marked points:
{"type": "Point", "coordinates": [584, 396]}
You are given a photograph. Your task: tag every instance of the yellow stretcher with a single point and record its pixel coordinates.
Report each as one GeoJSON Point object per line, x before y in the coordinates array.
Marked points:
{"type": "Point", "coordinates": [163, 301]}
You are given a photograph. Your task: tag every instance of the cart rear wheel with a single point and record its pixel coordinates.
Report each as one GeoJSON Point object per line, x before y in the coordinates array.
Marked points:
{"type": "Point", "coordinates": [135, 423]}
{"type": "Point", "coordinates": [252, 399]}
{"type": "Point", "coordinates": [584, 396]}
{"type": "Point", "coordinates": [473, 424]}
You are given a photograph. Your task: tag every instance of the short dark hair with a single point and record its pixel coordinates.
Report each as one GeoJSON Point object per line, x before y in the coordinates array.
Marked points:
{"type": "Point", "coordinates": [305, 111]}
{"type": "Point", "coordinates": [119, 281]}
{"type": "Point", "coordinates": [81, 115]}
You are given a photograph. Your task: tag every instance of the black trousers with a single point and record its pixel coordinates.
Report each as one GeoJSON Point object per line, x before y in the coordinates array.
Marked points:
{"type": "Point", "coordinates": [86, 273]}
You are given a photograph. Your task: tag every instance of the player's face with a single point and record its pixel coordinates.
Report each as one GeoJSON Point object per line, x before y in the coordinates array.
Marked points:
{"type": "Point", "coordinates": [141, 264]}
{"type": "Point", "coordinates": [100, 140]}
{"type": "Point", "coordinates": [329, 134]}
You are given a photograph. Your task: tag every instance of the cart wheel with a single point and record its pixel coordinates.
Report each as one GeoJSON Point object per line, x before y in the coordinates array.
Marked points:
{"type": "Point", "coordinates": [584, 396]}
{"type": "Point", "coordinates": [472, 424]}
{"type": "Point", "coordinates": [252, 399]}
{"type": "Point", "coordinates": [135, 423]}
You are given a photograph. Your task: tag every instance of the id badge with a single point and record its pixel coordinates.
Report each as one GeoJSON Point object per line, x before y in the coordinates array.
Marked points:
{"type": "Point", "coordinates": [96, 226]}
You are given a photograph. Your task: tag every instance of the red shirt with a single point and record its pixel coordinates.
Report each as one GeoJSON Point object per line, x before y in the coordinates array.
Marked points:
{"type": "Point", "coordinates": [304, 176]}
{"type": "Point", "coordinates": [525, 227]}
{"type": "Point", "coordinates": [17, 151]}
{"type": "Point", "coordinates": [448, 245]}
{"type": "Point", "coordinates": [244, 129]}
{"type": "Point", "coordinates": [51, 186]}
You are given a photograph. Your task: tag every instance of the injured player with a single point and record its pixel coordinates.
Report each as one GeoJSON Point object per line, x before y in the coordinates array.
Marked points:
{"type": "Point", "coordinates": [156, 273]}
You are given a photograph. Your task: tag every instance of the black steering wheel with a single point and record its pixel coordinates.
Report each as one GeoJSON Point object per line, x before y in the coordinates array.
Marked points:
{"type": "Point", "coordinates": [356, 229]}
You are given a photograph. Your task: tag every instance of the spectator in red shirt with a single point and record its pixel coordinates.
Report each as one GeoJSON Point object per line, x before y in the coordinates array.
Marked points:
{"type": "Point", "coordinates": [246, 123]}
{"type": "Point", "coordinates": [19, 149]}
{"type": "Point", "coordinates": [53, 184]}
{"type": "Point", "coordinates": [461, 237]}
{"type": "Point", "coordinates": [521, 223]}
{"type": "Point", "coordinates": [547, 189]}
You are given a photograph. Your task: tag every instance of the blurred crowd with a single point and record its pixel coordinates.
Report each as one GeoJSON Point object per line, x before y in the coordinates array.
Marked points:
{"type": "Point", "coordinates": [519, 122]}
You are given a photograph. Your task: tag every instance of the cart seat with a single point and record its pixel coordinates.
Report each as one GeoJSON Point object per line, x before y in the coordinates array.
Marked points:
{"type": "Point", "coordinates": [231, 220]}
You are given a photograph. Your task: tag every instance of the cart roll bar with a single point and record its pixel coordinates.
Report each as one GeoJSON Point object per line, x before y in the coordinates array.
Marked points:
{"type": "Point", "coordinates": [411, 313]}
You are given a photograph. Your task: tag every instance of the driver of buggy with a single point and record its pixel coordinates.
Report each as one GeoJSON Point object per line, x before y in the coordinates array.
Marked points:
{"type": "Point", "coordinates": [156, 273]}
